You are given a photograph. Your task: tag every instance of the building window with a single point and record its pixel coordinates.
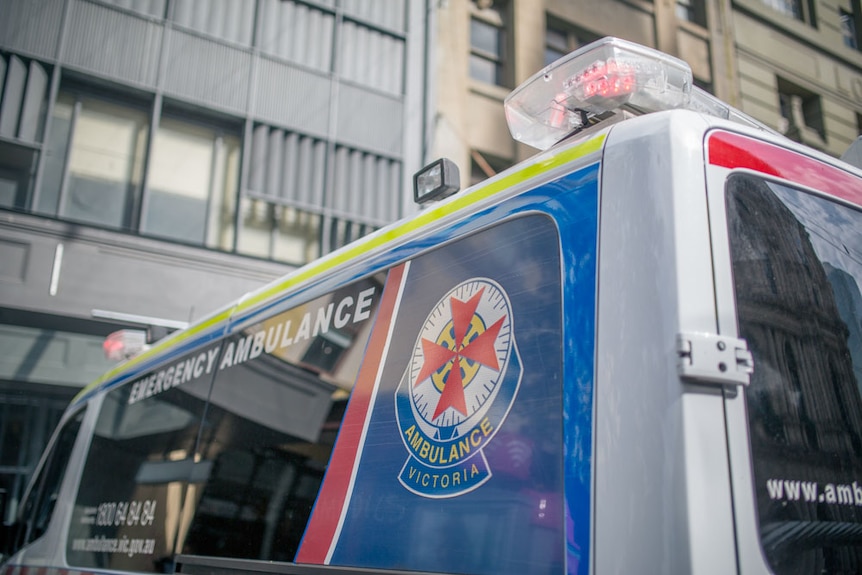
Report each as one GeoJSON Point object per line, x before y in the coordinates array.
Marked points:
{"type": "Point", "coordinates": [802, 10]}
{"type": "Point", "coordinates": [343, 231]}
{"type": "Point", "coordinates": [94, 163]}
{"type": "Point", "coordinates": [192, 185]}
{"type": "Point", "coordinates": [279, 232]}
{"type": "Point", "coordinates": [17, 171]}
{"type": "Point", "coordinates": [693, 11]}
{"type": "Point", "coordinates": [489, 42]}
{"type": "Point", "coordinates": [23, 99]}
{"type": "Point", "coordinates": [93, 172]}
{"type": "Point", "coordinates": [561, 39]}
{"type": "Point", "coordinates": [484, 166]}
{"type": "Point", "coordinates": [801, 114]}
{"type": "Point", "coordinates": [851, 25]}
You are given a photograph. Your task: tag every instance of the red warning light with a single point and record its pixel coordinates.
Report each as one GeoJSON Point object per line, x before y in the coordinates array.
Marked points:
{"type": "Point", "coordinates": [607, 79]}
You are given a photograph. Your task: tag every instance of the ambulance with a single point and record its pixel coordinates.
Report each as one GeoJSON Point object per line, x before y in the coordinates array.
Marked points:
{"type": "Point", "coordinates": [639, 351]}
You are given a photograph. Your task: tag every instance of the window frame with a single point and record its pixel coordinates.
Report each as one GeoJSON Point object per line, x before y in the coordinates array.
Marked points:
{"type": "Point", "coordinates": [811, 126]}
{"type": "Point", "coordinates": [500, 19]}
{"type": "Point", "coordinates": [78, 96]}
{"type": "Point", "coordinates": [33, 504]}
{"type": "Point", "coordinates": [141, 395]}
{"type": "Point", "coordinates": [693, 11]}
{"type": "Point", "coordinates": [800, 10]}
{"type": "Point", "coordinates": [221, 151]}
{"type": "Point", "coordinates": [851, 25]}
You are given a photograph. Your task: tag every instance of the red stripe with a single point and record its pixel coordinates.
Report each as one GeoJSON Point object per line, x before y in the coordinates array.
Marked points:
{"type": "Point", "coordinates": [327, 510]}
{"type": "Point", "coordinates": [735, 151]}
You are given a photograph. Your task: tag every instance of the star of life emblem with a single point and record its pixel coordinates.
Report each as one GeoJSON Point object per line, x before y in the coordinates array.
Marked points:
{"type": "Point", "coordinates": [459, 386]}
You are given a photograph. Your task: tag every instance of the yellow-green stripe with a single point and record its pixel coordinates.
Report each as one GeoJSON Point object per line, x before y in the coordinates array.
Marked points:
{"type": "Point", "coordinates": [356, 250]}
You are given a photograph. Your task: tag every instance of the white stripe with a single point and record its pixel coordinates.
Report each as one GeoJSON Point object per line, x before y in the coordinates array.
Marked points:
{"type": "Point", "coordinates": [55, 271]}
{"type": "Point", "coordinates": [349, 495]}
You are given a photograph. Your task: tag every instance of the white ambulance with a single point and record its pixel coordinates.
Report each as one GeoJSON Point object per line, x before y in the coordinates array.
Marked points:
{"type": "Point", "coordinates": [638, 352]}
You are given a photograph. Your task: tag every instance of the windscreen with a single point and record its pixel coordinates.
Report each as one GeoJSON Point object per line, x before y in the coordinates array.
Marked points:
{"type": "Point", "coordinates": [797, 267]}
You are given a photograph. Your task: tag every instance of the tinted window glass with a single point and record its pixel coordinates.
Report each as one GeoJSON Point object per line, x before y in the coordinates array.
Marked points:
{"type": "Point", "coordinates": [39, 506]}
{"type": "Point", "coordinates": [458, 470]}
{"type": "Point", "coordinates": [797, 265]}
{"type": "Point", "coordinates": [275, 409]}
{"type": "Point", "coordinates": [141, 456]}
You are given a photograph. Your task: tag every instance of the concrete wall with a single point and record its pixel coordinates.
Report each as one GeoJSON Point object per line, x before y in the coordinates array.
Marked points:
{"type": "Point", "coordinates": [70, 270]}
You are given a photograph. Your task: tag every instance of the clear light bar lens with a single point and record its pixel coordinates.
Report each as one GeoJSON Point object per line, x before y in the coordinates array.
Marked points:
{"type": "Point", "coordinates": [601, 77]}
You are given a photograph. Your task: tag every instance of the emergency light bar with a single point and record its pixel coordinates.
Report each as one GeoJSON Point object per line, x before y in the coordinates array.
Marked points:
{"type": "Point", "coordinates": [600, 80]}
{"type": "Point", "coordinates": [123, 344]}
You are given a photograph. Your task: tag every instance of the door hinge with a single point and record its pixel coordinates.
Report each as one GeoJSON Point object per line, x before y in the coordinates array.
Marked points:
{"type": "Point", "coordinates": [711, 358]}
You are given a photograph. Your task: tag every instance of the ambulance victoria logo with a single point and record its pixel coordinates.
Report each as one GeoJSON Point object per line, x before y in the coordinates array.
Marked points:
{"type": "Point", "coordinates": [458, 388]}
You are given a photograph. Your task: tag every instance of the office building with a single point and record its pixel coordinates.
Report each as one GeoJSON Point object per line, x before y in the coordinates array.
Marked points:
{"type": "Point", "coordinates": [159, 158]}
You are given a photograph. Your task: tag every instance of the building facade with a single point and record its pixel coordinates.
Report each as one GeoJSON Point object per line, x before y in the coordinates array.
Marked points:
{"type": "Point", "coordinates": [159, 158]}
{"type": "Point", "coordinates": [793, 64]}
{"type": "Point", "coordinates": [799, 65]}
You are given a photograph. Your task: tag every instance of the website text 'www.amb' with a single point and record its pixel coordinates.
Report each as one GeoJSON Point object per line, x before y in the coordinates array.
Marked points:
{"type": "Point", "coordinates": [812, 492]}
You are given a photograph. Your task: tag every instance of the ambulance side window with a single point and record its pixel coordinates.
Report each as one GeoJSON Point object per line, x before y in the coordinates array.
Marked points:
{"type": "Point", "coordinates": [275, 410]}
{"type": "Point", "coordinates": [797, 267]}
{"type": "Point", "coordinates": [140, 460]}
{"type": "Point", "coordinates": [450, 465]}
{"type": "Point", "coordinates": [39, 506]}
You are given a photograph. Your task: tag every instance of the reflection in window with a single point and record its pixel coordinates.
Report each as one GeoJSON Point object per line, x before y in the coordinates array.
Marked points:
{"type": "Point", "coordinates": [192, 185]}
{"type": "Point", "coordinates": [40, 502]}
{"type": "Point", "coordinates": [802, 317]}
{"type": "Point", "coordinates": [488, 42]}
{"type": "Point", "coordinates": [280, 232]}
{"type": "Point", "coordinates": [139, 461]}
{"type": "Point", "coordinates": [272, 422]}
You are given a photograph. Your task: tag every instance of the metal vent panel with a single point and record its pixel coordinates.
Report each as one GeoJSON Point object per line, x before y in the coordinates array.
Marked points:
{"type": "Point", "coordinates": [292, 97]}
{"type": "Point", "coordinates": [370, 120]}
{"type": "Point", "coordinates": [34, 104]}
{"type": "Point", "coordinates": [113, 43]}
{"type": "Point", "coordinates": [31, 26]}
{"type": "Point", "coordinates": [371, 58]}
{"type": "Point", "coordinates": [226, 19]}
{"type": "Point", "coordinates": [296, 32]}
{"type": "Point", "coordinates": [155, 8]}
{"type": "Point", "coordinates": [207, 71]}
{"type": "Point", "coordinates": [13, 95]}
{"type": "Point", "coordinates": [386, 13]}
{"type": "Point", "coordinates": [287, 165]}
{"type": "Point", "coordinates": [365, 185]}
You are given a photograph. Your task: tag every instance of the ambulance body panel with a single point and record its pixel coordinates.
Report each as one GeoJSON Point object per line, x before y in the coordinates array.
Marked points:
{"type": "Point", "coordinates": [629, 354]}
{"type": "Point", "coordinates": [660, 445]}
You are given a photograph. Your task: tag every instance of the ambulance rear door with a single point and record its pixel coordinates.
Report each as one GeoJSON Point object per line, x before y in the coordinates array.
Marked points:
{"type": "Point", "coordinates": [786, 229]}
